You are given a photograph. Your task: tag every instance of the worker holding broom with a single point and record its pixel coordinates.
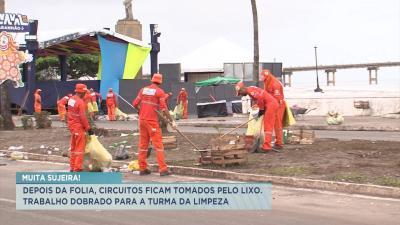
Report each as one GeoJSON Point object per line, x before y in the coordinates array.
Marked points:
{"type": "Point", "coordinates": [267, 105]}
{"type": "Point", "coordinates": [274, 87]}
{"type": "Point", "coordinates": [78, 124]}
{"type": "Point", "coordinates": [149, 101]}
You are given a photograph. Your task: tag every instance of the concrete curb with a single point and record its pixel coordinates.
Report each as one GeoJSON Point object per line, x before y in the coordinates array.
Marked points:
{"type": "Point", "coordinates": [351, 188]}
{"type": "Point", "coordinates": [304, 127]}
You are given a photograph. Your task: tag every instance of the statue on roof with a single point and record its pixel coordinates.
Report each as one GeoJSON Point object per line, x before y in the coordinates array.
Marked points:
{"type": "Point", "coordinates": [128, 9]}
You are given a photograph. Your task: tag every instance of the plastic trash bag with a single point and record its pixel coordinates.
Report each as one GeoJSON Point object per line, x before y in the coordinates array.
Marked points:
{"type": "Point", "coordinates": [334, 118]}
{"type": "Point", "coordinates": [288, 118]}
{"type": "Point", "coordinates": [99, 157]}
{"type": "Point", "coordinates": [121, 153]}
{"type": "Point", "coordinates": [133, 165]}
{"type": "Point", "coordinates": [178, 111]}
{"type": "Point", "coordinates": [255, 129]}
{"type": "Point", "coordinates": [120, 115]}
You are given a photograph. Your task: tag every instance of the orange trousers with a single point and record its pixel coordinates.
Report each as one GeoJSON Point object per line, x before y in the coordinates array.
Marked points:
{"type": "Point", "coordinates": [111, 112]}
{"type": "Point", "coordinates": [150, 130]}
{"type": "Point", "coordinates": [38, 108]}
{"type": "Point", "coordinates": [270, 118]}
{"type": "Point", "coordinates": [185, 110]}
{"type": "Point", "coordinates": [77, 144]}
{"type": "Point", "coordinates": [61, 112]}
{"type": "Point", "coordinates": [278, 126]}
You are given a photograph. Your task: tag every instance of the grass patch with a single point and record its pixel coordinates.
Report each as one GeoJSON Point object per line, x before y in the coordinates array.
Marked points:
{"type": "Point", "coordinates": [350, 177]}
{"type": "Point", "coordinates": [289, 171]}
{"type": "Point", "coordinates": [388, 181]}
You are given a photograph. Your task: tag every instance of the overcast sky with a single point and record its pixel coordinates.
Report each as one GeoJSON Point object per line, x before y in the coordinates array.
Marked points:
{"type": "Point", "coordinates": [345, 31]}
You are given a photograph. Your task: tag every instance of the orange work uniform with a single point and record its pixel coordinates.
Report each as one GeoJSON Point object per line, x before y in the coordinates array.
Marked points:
{"type": "Point", "coordinates": [38, 101]}
{"type": "Point", "coordinates": [150, 99]}
{"type": "Point", "coordinates": [111, 102]}
{"type": "Point", "coordinates": [183, 97]}
{"type": "Point", "coordinates": [78, 125]}
{"type": "Point", "coordinates": [268, 103]}
{"type": "Point", "coordinates": [61, 107]}
{"type": "Point", "coordinates": [274, 87]}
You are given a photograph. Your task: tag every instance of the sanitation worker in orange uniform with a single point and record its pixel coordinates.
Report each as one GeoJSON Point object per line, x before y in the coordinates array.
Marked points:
{"type": "Point", "coordinates": [95, 95]}
{"type": "Point", "coordinates": [151, 99]}
{"type": "Point", "coordinates": [78, 125]}
{"type": "Point", "coordinates": [61, 106]}
{"type": "Point", "coordinates": [38, 101]}
{"type": "Point", "coordinates": [111, 102]}
{"type": "Point", "coordinates": [87, 99]}
{"type": "Point", "coordinates": [183, 97]}
{"type": "Point", "coordinates": [267, 105]}
{"type": "Point", "coordinates": [274, 87]}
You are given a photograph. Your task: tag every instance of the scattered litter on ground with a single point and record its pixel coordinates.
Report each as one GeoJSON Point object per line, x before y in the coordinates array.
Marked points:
{"type": "Point", "coordinates": [16, 155]}
{"type": "Point", "coordinates": [11, 148]}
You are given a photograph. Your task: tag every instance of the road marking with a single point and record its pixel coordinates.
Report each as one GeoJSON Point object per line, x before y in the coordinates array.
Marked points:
{"type": "Point", "coordinates": [7, 200]}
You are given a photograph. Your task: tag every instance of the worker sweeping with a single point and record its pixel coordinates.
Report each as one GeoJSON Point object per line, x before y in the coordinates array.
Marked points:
{"type": "Point", "coordinates": [267, 105]}
{"type": "Point", "coordinates": [78, 125]}
{"type": "Point", "coordinates": [95, 96]}
{"type": "Point", "coordinates": [61, 106]}
{"type": "Point", "coordinates": [149, 100]}
{"type": "Point", "coordinates": [38, 101]}
{"type": "Point", "coordinates": [274, 87]}
{"type": "Point", "coordinates": [111, 102]}
{"type": "Point", "coordinates": [183, 97]}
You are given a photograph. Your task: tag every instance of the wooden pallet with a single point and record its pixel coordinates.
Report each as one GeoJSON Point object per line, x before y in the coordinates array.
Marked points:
{"type": "Point", "coordinates": [223, 157]}
{"type": "Point", "coordinates": [169, 142]}
{"type": "Point", "coordinates": [223, 152]}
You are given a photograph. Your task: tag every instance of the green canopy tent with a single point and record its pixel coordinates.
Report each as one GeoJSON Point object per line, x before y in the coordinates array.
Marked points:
{"type": "Point", "coordinates": [217, 81]}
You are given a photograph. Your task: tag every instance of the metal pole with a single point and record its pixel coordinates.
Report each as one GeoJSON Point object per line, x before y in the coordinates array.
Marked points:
{"type": "Point", "coordinates": [318, 89]}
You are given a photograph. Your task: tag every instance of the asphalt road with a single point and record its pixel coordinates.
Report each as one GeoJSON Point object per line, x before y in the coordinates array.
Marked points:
{"type": "Point", "coordinates": [341, 135]}
{"type": "Point", "coordinates": [290, 206]}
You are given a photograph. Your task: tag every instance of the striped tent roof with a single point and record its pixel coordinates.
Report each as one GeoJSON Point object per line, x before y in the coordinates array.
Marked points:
{"type": "Point", "coordinates": [81, 43]}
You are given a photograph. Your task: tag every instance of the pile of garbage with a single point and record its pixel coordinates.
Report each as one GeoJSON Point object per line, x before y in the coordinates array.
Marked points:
{"type": "Point", "coordinates": [334, 118]}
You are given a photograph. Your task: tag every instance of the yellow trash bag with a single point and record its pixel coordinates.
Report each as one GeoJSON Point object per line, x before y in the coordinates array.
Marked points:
{"type": "Point", "coordinates": [133, 165]}
{"type": "Point", "coordinates": [90, 107]}
{"type": "Point", "coordinates": [120, 115]}
{"type": "Point", "coordinates": [255, 127]}
{"type": "Point", "coordinates": [288, 118]}
{"type": "Point", "coordinates": [178, 111]}
{"type": "Point", "coordinates": [98, 156]}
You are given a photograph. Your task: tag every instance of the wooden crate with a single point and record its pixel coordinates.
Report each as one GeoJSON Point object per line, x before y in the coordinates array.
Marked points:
{"type": "Point", "coordinates": [225, 152]}
{"type": "Point", "coordinates": [169, 142]}
{"type": "Point", "coordinates": [301, 137]}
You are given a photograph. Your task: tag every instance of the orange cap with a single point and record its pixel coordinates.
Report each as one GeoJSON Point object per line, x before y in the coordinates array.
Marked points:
{"type": "Point", "coordinates": [81, 88]}
{"type": "Point", "coordinates": [238, 86]}
{"type": "Point", "coordinates": [157, 78]}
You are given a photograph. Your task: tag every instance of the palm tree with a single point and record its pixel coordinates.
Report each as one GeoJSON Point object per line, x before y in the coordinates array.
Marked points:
{"type": "Point", "coordinates": [255, 42]}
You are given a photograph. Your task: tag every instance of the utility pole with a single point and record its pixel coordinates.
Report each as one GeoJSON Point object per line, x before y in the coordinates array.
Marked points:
{"type": "Point", "coordinates": [256, 60]}
{"type": "Point", "coordinates": [318, 89]}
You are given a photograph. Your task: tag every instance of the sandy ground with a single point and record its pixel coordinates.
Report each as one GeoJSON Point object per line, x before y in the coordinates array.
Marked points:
{"type": "Point", "coordinates": [360, 161]}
